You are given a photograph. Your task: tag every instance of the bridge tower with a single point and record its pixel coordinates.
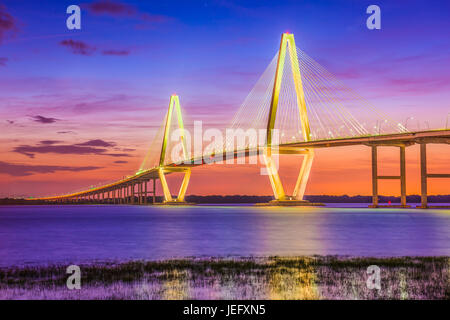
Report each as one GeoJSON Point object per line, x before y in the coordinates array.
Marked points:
{"type": "Point", "coordinates": [287, 45]}
{"type": "Point", "coordinates": [162, 169]}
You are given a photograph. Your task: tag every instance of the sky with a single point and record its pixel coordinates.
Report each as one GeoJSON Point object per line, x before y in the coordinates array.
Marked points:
{"type": "Point", "coordinates": [80, 107]}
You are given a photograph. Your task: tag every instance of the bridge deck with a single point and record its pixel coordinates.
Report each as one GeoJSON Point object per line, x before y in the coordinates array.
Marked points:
{"type": "Point", "coordinates": [401, 139]}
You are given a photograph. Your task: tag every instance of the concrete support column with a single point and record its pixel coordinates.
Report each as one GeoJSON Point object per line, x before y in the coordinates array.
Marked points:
{"type": "Point", "coordinates": [145, 191]}
{"type": "Point", "coordinates": [374, 176]}
{"type": "Point", "coordinates": [154, 190]}
{"type": "Point", "coordinates": [403, 176]}
{"type": "Point", "coordinates": [423, 175]}
{"type": "Point", "coordinates": [139, 193]}
{"type": "Point", "coordinates": [132, 192]}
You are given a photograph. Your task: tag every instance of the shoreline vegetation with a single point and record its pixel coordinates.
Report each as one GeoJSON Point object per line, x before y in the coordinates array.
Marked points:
{"type": "Point", "coordinates": [216, 199]}
{"type": "Point", "coordinates": [314, 277]}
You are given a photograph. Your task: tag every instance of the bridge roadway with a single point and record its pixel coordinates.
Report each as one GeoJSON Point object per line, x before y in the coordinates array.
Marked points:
{"type": "Point", "coordinates": [395, 140]}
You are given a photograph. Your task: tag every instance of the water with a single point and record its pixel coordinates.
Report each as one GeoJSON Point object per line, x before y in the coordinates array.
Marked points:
{"type": "Point", "coordinates": [79, 234]}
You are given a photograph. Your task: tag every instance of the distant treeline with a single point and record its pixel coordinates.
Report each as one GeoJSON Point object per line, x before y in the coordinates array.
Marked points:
{"type": "Point", "coordinates": [314, 198]}
{"type": "Point", "coordinates": [259, 199]}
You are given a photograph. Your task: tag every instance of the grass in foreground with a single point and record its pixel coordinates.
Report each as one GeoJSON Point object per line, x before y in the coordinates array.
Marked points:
{"type": "Point", "coordinates": [315, 277]}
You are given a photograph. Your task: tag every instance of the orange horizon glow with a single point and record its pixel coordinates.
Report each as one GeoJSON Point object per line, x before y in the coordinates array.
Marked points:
{"type": "Point", "coordinates": [335, 171]}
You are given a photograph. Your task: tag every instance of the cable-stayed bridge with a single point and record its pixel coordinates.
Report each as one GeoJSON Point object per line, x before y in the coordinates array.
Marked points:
{"type": "Point", "coordinates": [295, 107]}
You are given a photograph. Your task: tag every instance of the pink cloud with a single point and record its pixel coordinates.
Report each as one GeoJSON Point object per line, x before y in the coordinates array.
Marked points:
{"type": "Point", "coordinates": [78, 47]}
{"type": "Point", "coordinates": [91, 147]}
{"type": "Point", "coordinates": [97, 143]}
{"type": "Point", "coordinates": [42, 119]}
{"type": "Point", "coordinates": [112, 8]}
{"type": "Point", "coordinates": [116, 52]}
{"type": "Point", "coordinates": [20, 170]}
{"type": "Point", "coordinates": [420, 85]}
{"type": "Point", "coordinates": [48, 142]}
{"type": "Point", "coordinates": [118, 9]}
{"type": "Point", "coordinates": [7, 22]}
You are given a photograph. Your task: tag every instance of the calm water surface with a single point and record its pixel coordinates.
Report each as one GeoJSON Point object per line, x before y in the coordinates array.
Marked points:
{"type": "Point", "coordinates": [87, 233]}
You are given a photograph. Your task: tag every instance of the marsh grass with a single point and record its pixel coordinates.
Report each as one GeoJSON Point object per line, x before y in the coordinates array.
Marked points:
{"type": "Point", "coordinates": [317, 277]}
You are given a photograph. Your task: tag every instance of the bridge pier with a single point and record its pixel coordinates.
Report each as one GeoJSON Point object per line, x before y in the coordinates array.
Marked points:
{"type": "Point", "coordinates": [145, 191]}
{"type": "Point", "coordinates": [131, 193]}
{"type": "Point", "coordinates": [154, 190]}
{"type": "Point", "coordinates": [376, 177]}
{"type": "Point", "coordinates": [168, 200]}
{"type": "Point", "coordinates": [139, 184]}
{"type": "Point", "coordinates": [424, 175]}
{"type": "Point", "coordinates": [281, 199]}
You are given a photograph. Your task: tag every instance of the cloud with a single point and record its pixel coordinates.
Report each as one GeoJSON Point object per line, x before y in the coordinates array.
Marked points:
{"type": "Point", "coordinates": [117, 9]}
{"type": "Point", "coordinates": [97, 143]}
{"type": "Point", "coordinates": [82, 48]}
{"type": "Point", "coordinates": [30, 151]}
{"type": "Point", "coordinates": [116, 154]}
{"type": "Point", "coordinates": [42, 119]}
{"type": "Point", "coordinates": [120, 161]}
{"type": "Point", "coordinates": [116, 52]}
{"type": "Point", "coordinates": [155, 18]}
{"type": "Point", "coordinates": [3, 61]}
{"type": "Point", "coordinates": [7, 22]}
{"type": "Point", "coordinates": [349, 73]}
{"type": "Point", "coordinates": [418, 85]}
{"type": "Point", "coordinates": [91, 147]}
{"type": "Point", "coordinates": [111, 8]}
{"type": "Point", "coordinates": [21, 170]}
{"type": "Point", "coordinates": [48, 142]}
{"type": "Point", "coordinates": [78, 47]}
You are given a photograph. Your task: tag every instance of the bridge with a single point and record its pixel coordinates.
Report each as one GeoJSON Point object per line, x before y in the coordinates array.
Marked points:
{"type": "Point", "coordinates": [299, 106]}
